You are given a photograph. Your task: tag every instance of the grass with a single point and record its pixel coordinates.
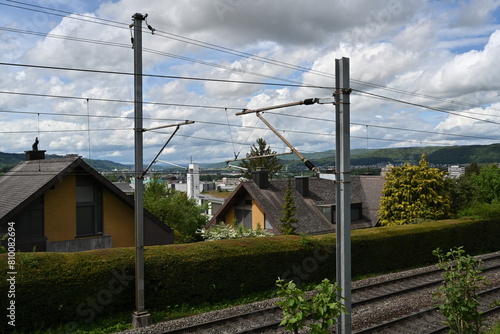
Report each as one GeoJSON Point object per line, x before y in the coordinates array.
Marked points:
{"type": "Point", "coordinates": [116, 323]}
{"type": "Point", "coordinates": [122, 321]}
{"type": "Point", "coordinates": [495, 329]}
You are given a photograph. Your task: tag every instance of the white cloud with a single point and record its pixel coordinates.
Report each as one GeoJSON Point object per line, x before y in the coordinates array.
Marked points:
{"type": "Point", "coordinates": [442, 50]}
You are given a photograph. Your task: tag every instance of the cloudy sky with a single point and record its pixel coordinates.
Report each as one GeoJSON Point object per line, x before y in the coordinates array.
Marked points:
{"type": "Point", "coordinates": [423, 73]}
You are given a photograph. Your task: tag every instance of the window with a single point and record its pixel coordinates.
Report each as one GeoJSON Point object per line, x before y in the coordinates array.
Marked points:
{"type": "Point", "coordinates": [356, 211]}
{"type": "Point", "coordinates": [243, 213]}
{"type": "Point", "coordinates": [88, 207]}
{"type": "Point", "coordinates": [330, 213]}
{"type": "Point", "coordinates": [267, 223]}
{"type": "Point", "coordinates": [29, 222]}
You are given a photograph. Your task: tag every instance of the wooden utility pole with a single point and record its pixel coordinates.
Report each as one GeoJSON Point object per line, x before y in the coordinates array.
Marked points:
{"type": "Point", "coordinates": [343, 189]}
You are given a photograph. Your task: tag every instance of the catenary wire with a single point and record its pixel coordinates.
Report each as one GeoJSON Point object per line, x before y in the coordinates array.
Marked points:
{"type": "Point", "coordinates": [234, 52]}
{"type": "Point", "coordinates": [431, 108]}
{"type": "Point", "coordinates": [147, 50]}
{"type": "Point", "coordinates": [165, 76]}
{"type": "Point", "coordinates": [443, 110]}
{"type": "Point", "coordinates": [386, 127]}
{"type": "Point", "coordinates": [252, 128]}
{"type": "Point", "coordinates": [122, 101]}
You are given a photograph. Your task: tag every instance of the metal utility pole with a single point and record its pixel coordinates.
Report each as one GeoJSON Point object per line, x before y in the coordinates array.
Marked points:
{"type": "Point", "coordinates": [342, 180]}
{"type": "Point", "coordinates": [343, 189]}
{"type": "Point", "coordinates": [140, 317]}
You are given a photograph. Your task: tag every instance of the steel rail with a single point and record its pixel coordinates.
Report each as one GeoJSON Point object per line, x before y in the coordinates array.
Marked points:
{"type": "Point", "coordinates": [275, 325]}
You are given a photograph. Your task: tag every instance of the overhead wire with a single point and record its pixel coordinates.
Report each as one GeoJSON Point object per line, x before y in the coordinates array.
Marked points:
{"type": "Point", "coordinates": [164, 76]}
{"type": "Point", "coordinates": [443, 110]}
{"type": "Point", "coordinates": [201, 122]}
{"type": "Point", "coordinates": [387, 127]}
{"type": "Point", "coordinates": [227, 50]}
{"type": "Point", "coordinates": [248, 55]}
{"type": "Point", "coordinates": [147, 50]}
{"type": "Point", "coordinates": [74, 16]}
{"type": "Point", "coordinates": [122, 101]}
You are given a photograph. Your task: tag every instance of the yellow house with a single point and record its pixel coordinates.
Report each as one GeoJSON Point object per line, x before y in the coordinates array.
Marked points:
{"type": "Point", "coordinates": [259, 203]}
{"type": "Point", "coordinates": [64, 205]}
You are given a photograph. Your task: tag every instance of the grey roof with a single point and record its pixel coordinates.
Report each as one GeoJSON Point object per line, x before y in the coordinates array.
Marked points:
{"type": "Point", "coordinates": [29, 180]}
{"type": "Point", "coordinates": [365, 191]}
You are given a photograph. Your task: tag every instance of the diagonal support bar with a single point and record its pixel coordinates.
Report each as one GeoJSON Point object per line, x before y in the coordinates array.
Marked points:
{"type": "Point", "coordinates": [308, 163]}
{"type": "Point", "coordinates": [168, 141]}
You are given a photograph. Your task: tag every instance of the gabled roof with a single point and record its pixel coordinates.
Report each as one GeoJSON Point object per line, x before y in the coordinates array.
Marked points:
{"type": "Point", "coordinates": [364, 191]}
{"type": "Point", "coordinates": [29, 180]}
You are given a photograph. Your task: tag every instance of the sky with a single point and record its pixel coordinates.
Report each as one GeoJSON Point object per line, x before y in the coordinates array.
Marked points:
{"type": "Point", "coordinates": [423, 73]}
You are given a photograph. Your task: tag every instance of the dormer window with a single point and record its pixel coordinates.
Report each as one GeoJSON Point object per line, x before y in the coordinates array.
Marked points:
{"type": "Point", "coordinates": [328, 211]}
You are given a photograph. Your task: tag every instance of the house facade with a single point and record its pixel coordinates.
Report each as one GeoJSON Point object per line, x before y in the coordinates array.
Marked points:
{"type": "Point", "coordinates": [65, 205]}
{"type": "Point", "coordinates": [259, 203]}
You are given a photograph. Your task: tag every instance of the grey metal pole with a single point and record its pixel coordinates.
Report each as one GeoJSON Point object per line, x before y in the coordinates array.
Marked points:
{"type": "Point", "coordinates": [343, 189]}
{"type": "Point", "coordinates": [140, 317]}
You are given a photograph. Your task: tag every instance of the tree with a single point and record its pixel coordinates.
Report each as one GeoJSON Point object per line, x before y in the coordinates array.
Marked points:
{"type": "Point", "coordinates": [270, 164]}
{"type": "Point", "coordinates": [488, 184]}
{"type": "Point", "coordinates": [175, 209]}
{"type": "Point", "coordinates": [461, 191]}
{"type": "Point", "coordinates": [289, 209]}
{"type": "Point", "coordinates": [413, 193]}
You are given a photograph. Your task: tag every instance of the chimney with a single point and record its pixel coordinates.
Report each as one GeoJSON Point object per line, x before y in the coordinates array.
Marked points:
{"type": "Point", "coordinates": [34, 154]}
{"type": "Point", "coordinates": [302, 185]}
{"type": "Point", "coordinates": [261, 178]}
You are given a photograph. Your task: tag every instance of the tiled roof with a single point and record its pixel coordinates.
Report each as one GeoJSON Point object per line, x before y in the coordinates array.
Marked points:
{"type": "Point", "coordinates": [364, 190]}
{"type": "Point", "coordinates": [29, 180]}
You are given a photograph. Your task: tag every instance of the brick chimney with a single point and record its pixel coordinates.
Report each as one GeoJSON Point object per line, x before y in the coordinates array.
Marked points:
{"type": "Point", "coordinates": [261, 178]}
{"type": "Point", "coordinates": [302, 185]}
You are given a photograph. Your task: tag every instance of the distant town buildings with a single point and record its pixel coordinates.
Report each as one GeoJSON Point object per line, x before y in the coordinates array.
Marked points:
{"type": "Point", "coordinates": [456, 171]}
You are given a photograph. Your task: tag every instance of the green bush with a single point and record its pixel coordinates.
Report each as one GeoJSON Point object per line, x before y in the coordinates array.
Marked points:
{"type": "Point", "coordinates": [61, 288]}
{"type": "Point", "coordinates": [459, 301]}
{"type": "Point", "coordinates": [482, 211]}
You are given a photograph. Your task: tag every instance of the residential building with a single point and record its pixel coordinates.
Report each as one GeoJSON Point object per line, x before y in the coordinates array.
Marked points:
{"type": "Point", "coordinates": [456, 171]}
{"type": "Point", "coordinates": [65, 205]}
{"type": "Point", "coordinates": [259, 202]}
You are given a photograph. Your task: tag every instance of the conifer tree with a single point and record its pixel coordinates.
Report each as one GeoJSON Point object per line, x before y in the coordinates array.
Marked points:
{"type": "Point", "coordinates": [271, 164]}
{"type": "Point", "coordinates": [289, 209]}
{"type": "Point", "coordinates": [412, 194]}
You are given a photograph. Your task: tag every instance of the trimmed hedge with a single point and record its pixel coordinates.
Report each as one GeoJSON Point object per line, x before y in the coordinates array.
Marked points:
{"type": "Point", "coordinates": [62, 288]}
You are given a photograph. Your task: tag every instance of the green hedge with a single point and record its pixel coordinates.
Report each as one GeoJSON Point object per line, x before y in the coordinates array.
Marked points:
{"type": "Point", "coordinates": [64, 288]}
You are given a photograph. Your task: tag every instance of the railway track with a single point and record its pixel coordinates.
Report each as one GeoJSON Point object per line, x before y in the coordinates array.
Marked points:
{"type": "Point", "coordinates": [430, 321]}
{"type": "Point", "coordinates": [364, 296]}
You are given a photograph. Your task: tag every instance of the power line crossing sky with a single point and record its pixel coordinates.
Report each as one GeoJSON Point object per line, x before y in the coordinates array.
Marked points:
{"type": "Point", "coordinates": [423, 73]}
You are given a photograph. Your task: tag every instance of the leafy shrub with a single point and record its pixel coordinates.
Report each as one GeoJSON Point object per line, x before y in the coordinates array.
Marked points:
{"type": "Point", "coordinates": [323, 308]}
{"type": "Point", "coordinates": [482, 211]}
{"type": "Point", "coordinates": [458, 294]}
{"type": "Point", "coordinates": [224, 231]}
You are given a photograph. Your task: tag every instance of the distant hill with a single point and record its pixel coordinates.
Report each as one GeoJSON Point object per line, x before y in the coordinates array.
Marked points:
{"type": "Point", "coordinates": [9, 160]}
{"type": "Point", "coordinates": [438, 155]}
